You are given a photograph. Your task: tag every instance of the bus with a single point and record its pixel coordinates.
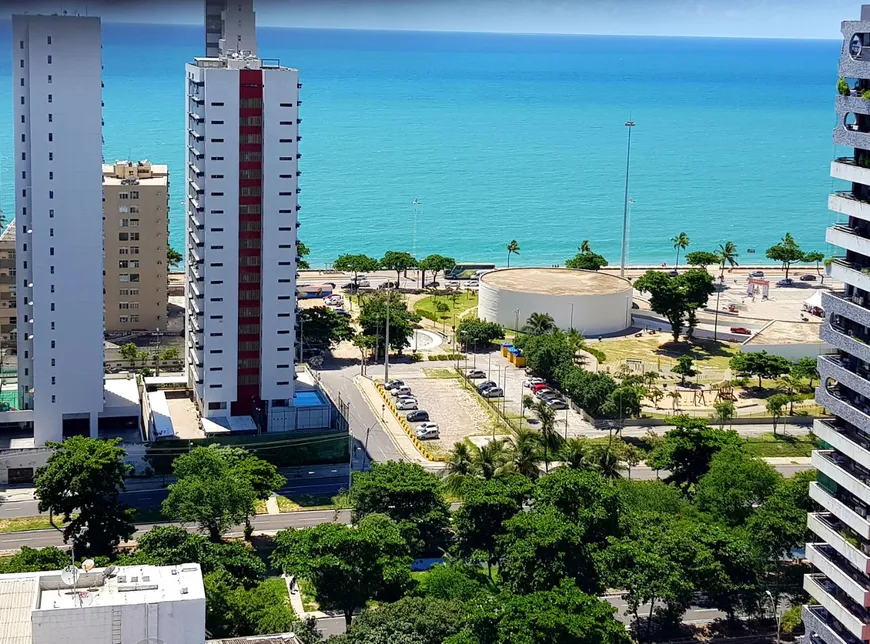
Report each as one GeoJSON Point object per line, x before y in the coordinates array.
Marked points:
{"type": "Point", "coordinates": [466, 271]}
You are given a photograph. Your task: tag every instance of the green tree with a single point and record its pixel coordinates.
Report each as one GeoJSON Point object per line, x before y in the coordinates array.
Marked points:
{"type": "Point", "coordinates": [539, 324]}
{"type": "Point", "coordinates": [779, 525]}
{"type": "Point", "coordinates": [173, 257]}
{"type": "Point", "coordinates": [564, 615]}
{"type": "Point", "coordinates": [623, 402]}
{"type": "Point", "coordinates": [168, 354]}
{"type": "Point", "coordinates": [398, 261]}
{"type": "Point", "coordinates": [81, 483]}
{"type": "Point", "coordinates": [702, 258]}
{"type": "Point", "coordinates": [787, 252]}
{"type": "Point", "coordinates": [760, 364]}
{"type": "Point", "coordinates": [684, 368]}
{"type": "Point", "coordinates": [491, 460]}
{"type": "Point", "coordinates": [35, 560]}
{"type": "Point", "coordinates": [588, 390]}
{"type": "Point", "coordinates": [524, 454]}
{"type": "Point", "coordinates": [677, 298]}
{"type": "Point", "coordinates": [410, 496]}
{"type": "Point", "coordinates": [355, 264]}
{"type": "Point", "coordinates": [585, 498]}
{"type": "Point", "coordinates": [264, 609]}
{"type": "Point", "coordinates": [513, 248]}
{"type": "Point", "coordinates": [575, 454]}
{"type": "Point", "coordinates": [727, 255]}
{"type": "Point", "coordinates": [129, 352]}
{"type": "Point", "coordinates": [302, 251]}
{"type": "Point", "coordinates": [815, 256]}
{"type": "Point", "coordinates": [735, 485]}
{"type": "Point", "coordinates": [550, 439]}
{"type": "Point", "coordinates": [453, 581]}
{"type": "Point", "coordinates": [373, 318]}
{"type": "Point", "coordinates": [547, 355]}
{"type": "Point", "coordinates": [806, 368]}
{"type": "Point", "coordinates": [475, 332]}
{"type": "Point", "coordinates": [725, 410]}
{"type": "Point", "coordinates": [587, 261]}
{"type": "Point", "coordinates": [458, 468]}
{"type": "Point", "coordinates": [346, 565]}
{"type": "Point", "coordinates": [322, 327]}
{"type": "Point", "coordinates": [435, 264]}
{"type": "Point", "coordinates": [538, 549]}
{"type": "Point", "coordinates": [680, 242]}
{"type": "Point", "coordinates": [686, 450]}
{"type": "Point", "coordinates": [209, 491]}
{"type": "Point", "coordinates": [412, 620]}
{"type": "Point", "coordinates": [775, 406]}
{"type": "Point", "coordinates": [843, 87]}
{"type": "Point", "coordinates": [697, 287]}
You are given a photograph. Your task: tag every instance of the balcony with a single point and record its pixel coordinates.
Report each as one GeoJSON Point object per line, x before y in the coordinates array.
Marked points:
{"type": "Point", "coordinates": [848, 238]}
{"type": "Point", "coordinates": [824, 591]}
{"type": "Point", "coordinates": [851, 138]}
{"type": "Point", "coordinates": [854, 444]}
{"type": "Point", "coordinates": [842, 511]}
{"type": "Point", "coordinates": [844, 341]}
{"type": "Point", "coordinates": [846, 169]}
{"type": "Point", "coordinates": [838, 468]}
{"type": "Point", "coordinates": [844, 271]}
{"type": "Point", "coordinates": [845, 203]}
{"type": "Point", "coordinates": [836, 534]}
{"type": "Point", "coordinates": [818, 621]}
{"type": "Point", "coordinates": [196, 205]}
{"type": "Point", "coordinates": [854, 103]}
{"type": "Point", "coordinates": [827, 561]}
{"type": "Point", "coordinates": [853, 308]}
{"type": "Point", "coordinates": [841, 370]}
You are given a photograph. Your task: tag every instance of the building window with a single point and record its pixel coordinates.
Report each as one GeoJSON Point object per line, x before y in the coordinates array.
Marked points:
{"type": "Point", "coordinates": [123, 223]}
{"type": "Point", "coordinates": [49, 40]}
{"type": "Point", "coordinates": [124, 277]}
{"type": "Point", "coordinates": [134, 210]}
{"type": "Point", "coordinates": [51, 176]}
{"type": "Point", "coordinates": [51, 194]}
{"type": "Point", "coordinates": [49, 78]}
{"type": "Point", "coordinates": [51, 252]}
{"type": "Point", "coordinates": [53, 398]}
{"type": "Point", "coordinates": [123, 195]}
{"type": "Point", "coordinates": [53, 344]}
{"type": "Point", "coordinates": [49, 99]}
{"type": "Point", "coordinates": [134, 194]}
{"type": "Point", "coordinates": [123, 236]}
{"type": "Point", "coordinates": [51, 156]}
{"type": "Point", "coordinates": [54, 380]}
{"type": "Point", "coordinates": [50, 136]}
{"type": "Point", "coordinates": [49, 59]}
{"type": "Point", "coordinates": [134, 223]}
{"type": "Point", "coordinates": [51, 213]}
{"type": "Point", "coordinates": [217, 405]}
{"type": "Point", "coordinates": [51, 232]}
{"type": "Point", "coordinates": [134, 250]}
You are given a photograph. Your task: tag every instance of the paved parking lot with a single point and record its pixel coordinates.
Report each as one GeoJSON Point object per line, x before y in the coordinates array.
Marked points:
{"type": "Point", "coordinates": [453, 408]}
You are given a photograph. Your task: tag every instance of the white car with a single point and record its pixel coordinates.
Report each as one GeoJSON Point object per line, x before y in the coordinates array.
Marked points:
{"type": "Point", "coordinates": [406, 404]}
{"type": "Point", "coordinates": [533, 381]}
{"type": "Point", "coordinates": [393, 383]}
{"type": "Point", "coordinates": [473, 284]}
{"type": "Point", "coordinates": [403, 390]}
{"type": "Point", "coordinates": [427, 431]}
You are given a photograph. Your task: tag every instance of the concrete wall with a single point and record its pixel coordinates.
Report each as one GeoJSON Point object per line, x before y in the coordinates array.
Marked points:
{"type": "Point", "coordinates": [592, 314]}
{"type": "Point", "coordinates": [791, 352]}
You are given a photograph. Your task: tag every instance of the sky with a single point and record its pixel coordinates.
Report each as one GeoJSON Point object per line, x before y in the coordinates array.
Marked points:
{"type": "Point", "coordinates": [718, 18]}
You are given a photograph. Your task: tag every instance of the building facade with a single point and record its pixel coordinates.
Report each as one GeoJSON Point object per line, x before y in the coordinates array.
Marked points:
{"type": "Point", "coordinates": [58, 217]}
{"type": "Point", "coordinates": [136, 229]}
{"type": "Point", "coordinates": [230, 25]}
{"type": "Point", "coordinates": [8, 297]}
{"type": "Point", "coordinates": [242, 187]}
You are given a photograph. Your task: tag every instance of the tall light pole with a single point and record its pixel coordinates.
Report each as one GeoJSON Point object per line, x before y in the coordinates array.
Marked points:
{"type": "Point", "coordinates": [387, 341]}
{"type": "Point", "coordinates": [516, 321]}
{"type": "Point", "coordinates": [776, 613]}
{"type": "Point", "coordinates": [415, 203]}
{"type": "Point", "coordinates": [571, 325]}
{"type": "Point", "coordinates": [630, 125]}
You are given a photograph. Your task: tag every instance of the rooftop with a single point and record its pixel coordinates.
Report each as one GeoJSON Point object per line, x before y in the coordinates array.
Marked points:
{"type": "Point", "coordinates": [138, 173]}
{"type": "Point", "coordinates": [279, 638]}
{"type": "Point", "coordinates": [784, 332]}
{"type": "Point", "coordinates": [556, 281]}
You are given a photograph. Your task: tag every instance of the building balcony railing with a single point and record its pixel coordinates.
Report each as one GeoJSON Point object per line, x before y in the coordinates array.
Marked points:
{"type": "Point", "coordinates": [846, 203]}
{"type": "Point", "coordinates": [854, 444]}
{"type": "Point", "coordinates": [847, 169]}
{"type": "Point", "coordinates": [848, 238]}
{"type": "Point", "coordinates": [841, 370]}
{"type": "Point", "coordinates": [825, 592]}
{"type": "Point", "coordinates": [839, 405]}
{"type": "Point", "coordinates": [839, 469]}
{"type": "Point", "coordinates": [851, 138]}
{"type": "Point", "coordinates": [836, 534]}
{"type": "Point", "coordinates": [851, 273]}
{"type": "Point", "coordinates": [842, 340]}
{"type": "Point", "coordinates": [819, 622]}
{"type": "Point", "coordinates": [854, 308]}
{"type": "Point", "coordinates": [839, 571]}
{"type": "Point", "coordinates": [852, 518]}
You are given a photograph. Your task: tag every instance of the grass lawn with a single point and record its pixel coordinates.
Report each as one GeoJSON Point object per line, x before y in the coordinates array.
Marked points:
{"type": "Point", "coordinates": [309, 596]}
{"type": "Point", "coordinates": [659, 348]}
{"type": "Point", "coordinates": [464, 301]}
{"type": "Point", "coordinates": [309, 502]}
{"type": "Point", "coordinates": [440, 373]}
{"type": "Point", "coordinates": [149, 515]}
{"type": "Point", "coordinates": [20, 524]}
{"type": "Point", "coordinates": [779, 445]}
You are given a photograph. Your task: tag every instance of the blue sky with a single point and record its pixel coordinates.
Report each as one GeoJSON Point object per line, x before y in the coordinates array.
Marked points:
{"type": "Point", "coordinates": [736, 18]}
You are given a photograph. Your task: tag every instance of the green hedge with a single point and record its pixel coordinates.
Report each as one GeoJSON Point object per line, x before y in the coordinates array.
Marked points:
{"type": "Point", "coordinates": [447, 356]}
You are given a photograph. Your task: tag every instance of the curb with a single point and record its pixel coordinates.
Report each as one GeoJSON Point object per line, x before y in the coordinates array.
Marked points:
{"type": "Point", "coordinates": [406, 427]}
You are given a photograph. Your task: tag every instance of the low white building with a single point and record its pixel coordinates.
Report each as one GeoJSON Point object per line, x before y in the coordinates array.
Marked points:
{"type": "Point", "coordinates": [104, 606]}
{"type": "Point", "coordinates": [790, 340]}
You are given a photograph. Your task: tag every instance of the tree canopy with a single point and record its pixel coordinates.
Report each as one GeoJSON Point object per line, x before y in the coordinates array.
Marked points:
{"type": "Point", "coordinates": [302, 251]}
{"type": "Point", "coordinates": [735, 485]}
{"type": "Point", "coordinates": [373, 317]}
{"type": "Point", "coordinates": [81, 484]}
{"type": "Point", "coordinates": [687, 450]}
{"type": "Point", "coordinates": [702, 258]}
{"type": "Point", "coordinates": [435, 264]}
{"type": "Point", "coordinates": [477, 333]}
{"type": "Point", "coordinates": [398, 261]}
{"type": "Point", "coordinates": [677, 298]}
{"type": "Point", "coordinates": [787, 252]}
{"type": "Point", "coordinates": [324, 328]}
{"type": "Point", "coordinates": [760, 364]}
{"type": "Point", "coordinates": [355, 264]}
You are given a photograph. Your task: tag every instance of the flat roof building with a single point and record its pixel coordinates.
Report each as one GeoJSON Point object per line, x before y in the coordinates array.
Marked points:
{"type": "Point", "coordinates": [8, 299]}
{"type": "Point", "coordinates": [136, 229]}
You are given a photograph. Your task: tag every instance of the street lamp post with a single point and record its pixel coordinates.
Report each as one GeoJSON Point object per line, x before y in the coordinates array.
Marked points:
{"type": "Point", "coordinates": [387, 342]}
{"type": "Point", "coordinates": [776, 613]}
{"type": "Point", "coordinates": [416, 203]}
{"type": "Point", "coordinates": [571, 325]}
{"type": "Point", "coordinates": [516, 320]}
{"type": "Point", "coordinates": [630, 125]}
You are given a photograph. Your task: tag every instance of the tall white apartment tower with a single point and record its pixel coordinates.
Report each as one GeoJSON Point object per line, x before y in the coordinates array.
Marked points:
{"type": "Point", "coordinates": [230, 25]}
{"type": "Point", "coordinates": [57, 72]}
{"type": "Point", "coordinates": [242, 185]}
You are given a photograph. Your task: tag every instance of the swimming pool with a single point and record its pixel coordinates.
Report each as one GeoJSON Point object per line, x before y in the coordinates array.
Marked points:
{"type": "Point", "coordinates": [308, 399]}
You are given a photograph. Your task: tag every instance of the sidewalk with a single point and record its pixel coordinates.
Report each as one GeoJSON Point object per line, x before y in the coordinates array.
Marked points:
{"type": "Point", "coordinates": [391, 426]}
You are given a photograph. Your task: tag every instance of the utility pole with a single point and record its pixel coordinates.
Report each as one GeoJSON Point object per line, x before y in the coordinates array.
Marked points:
{"type": "Point", "coordinates": [629, 124]}
{"type": "Point", "coordinates": [416, 203]}
{"type": "Point", "coordinates": [387, 341]}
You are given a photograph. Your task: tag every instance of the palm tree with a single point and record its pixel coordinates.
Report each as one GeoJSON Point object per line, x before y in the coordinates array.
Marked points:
{"type": "Point", "coordinates": [489, 461]}
{"type": "Point", "coordinates": [459, 468]}
{"type": "Point", "coordinates": [575, 341]}
{"type": "Point", "coordinates": [790, 384]}
{"type": "Point", "coordinates": [575, 455]}
{"type": "Point", "coordinates": [681, 242]}
{"type": "Point", "coordinates": [655, 394]}
{"type": "Point", "coordinates": [728, 254]}
{"type": "Point", "coordinates": [539, 324]}
{"type": "Point", "coordinates": [525, 454]}
{"type": "Point", "coordinates": [528, 403]}
{"type": "Point", "coordinates": [608, 465]}
{"type": "Point", "coordinates": [585, 247]}
{"type": "Point", "coordinates": [547, 417]}
{"type": "Point", "coordinates": [512, 248]}
{"type": "Point", "coordinates": [675, 398]}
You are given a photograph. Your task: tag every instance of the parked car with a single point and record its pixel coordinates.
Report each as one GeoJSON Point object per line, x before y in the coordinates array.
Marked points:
{"type": "Point", "coordinates": [474, 374]}
{"type": "Point", "coordinates": [808, 277]}
{"type": "Point", "coordinates": [432, 285]}
{"type": "Point", "coordinates": [403, 390]}
{"type": "Point", "coordinates": [393, 383]}
{"type": "Point", "coordinates": [557, 403]}
{"type": "Point", "coordinates": [406, 399]}
{"type": "Point", "coordinates": [473, 283]}
{"type": "Point", "coordinates": [541, 385]}
{"type": "Point", "coordinates": [386, 285]}
{"type": "Point", "coordinates": [406, 404]}
{"type": "Point", "coordinates": [739, 330]}
{"type": "Point", "coordinates": [418, 416]}
{"type": "Point", "coordinates": [756, 274]}
{"type": "Point", "coordinates": [528, 382]}
{"type": "Point", "coordinates": [342, 312]}
{"type": "Point", "coordinates": [785, 282]}
{"type": "Point", "coordinates": [427, 431]}
{"type": "Point", "coordinates": [363, 283]}
{"type": "Point", "coordinates": [493, 392]}
{"type": "Point", "coordinates": [548, 394]}
{"type": "Point", "coordinates": [486, 384]}
{"type": "Point", "coordinates": [451, 284]}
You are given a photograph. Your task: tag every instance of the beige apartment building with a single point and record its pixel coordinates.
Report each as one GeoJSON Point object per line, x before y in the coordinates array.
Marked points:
{"type": "Point", "coordinates": [8, 334]}
{"type": "Point", "coordinates": [135, 226]}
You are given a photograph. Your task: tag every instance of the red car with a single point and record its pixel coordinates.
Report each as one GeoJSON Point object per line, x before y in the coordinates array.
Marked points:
{"type": "Point", "coordinates": [739, 330]}
{"type": "Point", "coordinates": [541, 385]}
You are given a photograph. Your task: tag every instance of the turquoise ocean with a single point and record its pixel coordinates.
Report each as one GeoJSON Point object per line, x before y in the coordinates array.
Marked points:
{"type": "Point", "coordinates": [506, 137]}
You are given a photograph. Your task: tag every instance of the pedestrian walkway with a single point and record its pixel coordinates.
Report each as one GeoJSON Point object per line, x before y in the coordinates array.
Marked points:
{"type": "Point", "coordinates": [272, 505]}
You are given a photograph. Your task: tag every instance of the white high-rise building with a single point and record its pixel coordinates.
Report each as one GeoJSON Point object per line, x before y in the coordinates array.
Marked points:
{"type": "Point", "coordinates": [57, 71]}
{"type": "Point", "coordinates": [230, 25]}
{"type": "Point", "coordinates": [241, 224]}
